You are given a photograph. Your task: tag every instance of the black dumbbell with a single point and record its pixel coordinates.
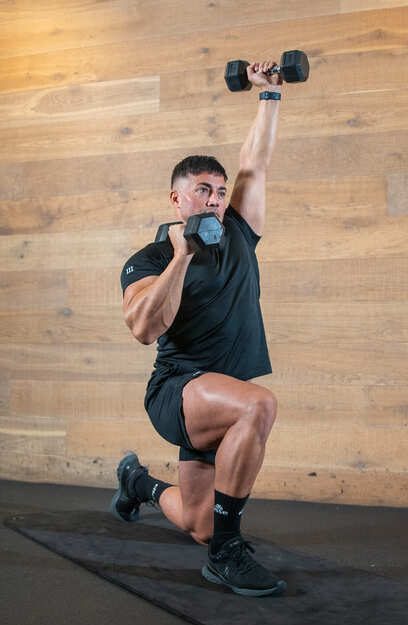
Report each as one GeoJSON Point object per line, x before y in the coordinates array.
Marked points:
{"type": "Point", "coordinates": [201, 231]}
{"type": "Point", "coordinates": [294, 67]}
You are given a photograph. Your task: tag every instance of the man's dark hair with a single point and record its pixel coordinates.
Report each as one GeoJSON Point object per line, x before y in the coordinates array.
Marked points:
{"type": "Point", "coordinates": [197, 165]}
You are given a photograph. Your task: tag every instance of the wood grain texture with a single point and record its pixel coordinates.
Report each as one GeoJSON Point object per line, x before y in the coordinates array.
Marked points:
{"type": "Point", "coordinates": [77, 399]}
{"type": "Point", "coordinates": [397, 194]}
{"type": "Point", "coordinates": [354, 198]}
{"type": "Point", "coordinates": [295, 159]}
{"type": "Point", "coordinates": [75, 361]}
{"type": "Point", "coordinates": [98, 101]}
{"type": "Point", "coordinates": [320, 36]}
{"type": "Point", "coordinates": [298, 323]}
{"type": "Point", "coordinates": [100, 132]}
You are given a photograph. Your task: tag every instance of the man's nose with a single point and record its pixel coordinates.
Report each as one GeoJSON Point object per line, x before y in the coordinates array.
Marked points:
{"type": "Point", "coordinates": [213, 199]}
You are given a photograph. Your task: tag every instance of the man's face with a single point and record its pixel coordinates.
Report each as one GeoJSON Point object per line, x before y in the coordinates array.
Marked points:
{"type": "Point", "coordinates": [203, 193]}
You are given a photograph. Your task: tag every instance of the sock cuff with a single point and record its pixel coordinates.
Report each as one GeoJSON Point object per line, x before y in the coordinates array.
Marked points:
{"type": "Point", "coordinates": [158, 488]}
{"type": "Point", "coordinates": [228, 505]}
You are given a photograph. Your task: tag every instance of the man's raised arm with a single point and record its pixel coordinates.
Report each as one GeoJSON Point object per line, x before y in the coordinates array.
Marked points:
{"type": "Point", "coordinates": [248, 195]}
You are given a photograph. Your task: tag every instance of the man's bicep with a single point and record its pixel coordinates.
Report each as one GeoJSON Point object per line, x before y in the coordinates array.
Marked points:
{"type": "Point", "coordinates": [248, 198]}
{"type": "Point", "coordinates": [136, 288]}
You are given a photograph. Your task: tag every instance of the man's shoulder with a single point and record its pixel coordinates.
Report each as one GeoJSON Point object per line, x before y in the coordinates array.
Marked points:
{"type": "Point", "coordinates": [233, 217]}
{"type": "Point", "coordinates": [151, 252]}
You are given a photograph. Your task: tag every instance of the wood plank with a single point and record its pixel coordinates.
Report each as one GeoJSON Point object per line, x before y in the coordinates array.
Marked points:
{"type": "Point", "coordinates": [330, 485]}
{"type": "Point", "coordinates": [32, 435]}
{"type": "Point", "coordinates": [361, 364]}
{"type": "Point", "coordinates": [64, 325]}
{"type": "Point", "coordinates": [4, 393]}
{"type": "Point", "coordinates": [114, 438]}
{"type": "Point", "coordinates": [318, 36]}
{"type": "Point", "coordinates": [95, 210]}
{"type": "Point", "coordinates": [371, 406]}
{"type": "Point", "coordinates": [387, 237]}
{"type": "Point", "coordinates": [338, 280]}
{"type": "Point", "coordinates": [86, 399]}
{"type": "Point", "coordinates": [82, 292]}
{"type": "Point", "coordinates": [365, 5]}
{"type": "Point", "coordinates": [290, 446]}
{"type": "Point", "coordinates": [341, 155]}
{"type": "Point", "coordinates": [374, 487]}
{"type": "Point", "coordinates": [77, 362]}
{"type": "Point", "coordinates": [99, 133]}
{"type": "Point", "coordinates": [42, 290]}
{"type": "Point", "coordinates": [383, 238]}
{"type": "Point", "coordinates": [356, 198]}
{"type": "Point", "coordinates": [343, 406]}
{"type": "Point", "coordinates": [298, 159]}
{"type": "Point", "coordinates": [325, 322]}
{"type": "Point", "coordinates": [47, 28]}
{"type": "Point", "coordinates": [309, 322]}
{"type": "Point", "coordinates": [388, 407]}
{"type": "Point", "coordinates": [359, 279]}
{"type": "Point", "coordinates": [51, 28]}
{"type": "Point", "coordinates": [67, 250]}
{"type": "Point", "coordinates": [329, 445]}
{"type": "Point", "coordinates": [397, 194]}
{"type": "Point", "coordinates": [107, 99]}
{"type": "Point", "coordinates": [83, 471]}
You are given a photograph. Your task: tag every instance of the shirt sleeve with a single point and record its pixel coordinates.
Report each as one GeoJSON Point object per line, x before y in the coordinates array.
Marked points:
{"type": "Point", "coordinates": [251, 236]}
{"type": "Point", "coordinates": [149, 261]}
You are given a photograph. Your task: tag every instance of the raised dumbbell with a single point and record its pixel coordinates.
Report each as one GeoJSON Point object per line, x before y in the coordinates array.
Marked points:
{"type": "Point", "coordinates": [201, 231]}
{"type": "Point", "coordinates": [294, 67]}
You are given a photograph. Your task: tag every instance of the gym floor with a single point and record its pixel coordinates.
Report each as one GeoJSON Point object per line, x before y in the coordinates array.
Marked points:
{"type": "Point", "coordinates": [38, 587]}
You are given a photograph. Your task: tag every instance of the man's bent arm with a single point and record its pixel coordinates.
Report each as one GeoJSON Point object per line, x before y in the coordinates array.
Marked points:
{"type": "Point", "coordinates": [152, 311]}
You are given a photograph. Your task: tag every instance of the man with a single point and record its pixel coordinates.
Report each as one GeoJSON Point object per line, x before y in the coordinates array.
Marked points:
{"type": "Point", "coordinates": [203, 308]}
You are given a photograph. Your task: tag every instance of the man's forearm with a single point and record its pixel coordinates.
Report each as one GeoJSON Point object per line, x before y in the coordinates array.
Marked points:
{"type": "Point", "coordinates": [256, 152]}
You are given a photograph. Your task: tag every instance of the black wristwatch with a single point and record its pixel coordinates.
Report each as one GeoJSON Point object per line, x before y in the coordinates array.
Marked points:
{"type": "Point", "coordinates": [269, 95]}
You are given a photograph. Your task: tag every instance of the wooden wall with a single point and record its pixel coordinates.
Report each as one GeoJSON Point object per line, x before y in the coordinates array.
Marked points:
{"type": "Point", "coordinates": [98, 101]}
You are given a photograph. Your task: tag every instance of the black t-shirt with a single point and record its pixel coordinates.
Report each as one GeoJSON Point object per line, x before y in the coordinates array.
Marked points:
{"type": "Point", "coordinates": [219, 325]}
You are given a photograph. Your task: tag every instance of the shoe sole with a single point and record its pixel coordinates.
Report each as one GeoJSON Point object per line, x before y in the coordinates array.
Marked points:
{"type": "Point", "coordinates": [134, 515]}
{"type": "Point", "coordinates": [276, 591]}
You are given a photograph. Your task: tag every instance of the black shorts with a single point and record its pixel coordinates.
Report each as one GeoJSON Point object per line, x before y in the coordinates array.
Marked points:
{"type": "Point", "coordinates": [164, 405]}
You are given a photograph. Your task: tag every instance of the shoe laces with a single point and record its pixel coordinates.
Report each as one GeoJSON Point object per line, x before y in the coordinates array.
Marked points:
{"type": "Point", "coordinates": [243, 558]}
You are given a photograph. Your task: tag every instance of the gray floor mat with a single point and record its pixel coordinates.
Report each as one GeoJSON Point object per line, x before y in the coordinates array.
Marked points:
{"type": "Point", "coordinates": [156, 561]}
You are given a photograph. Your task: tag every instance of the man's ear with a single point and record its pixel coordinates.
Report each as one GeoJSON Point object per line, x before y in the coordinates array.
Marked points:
{"type": "Point", "coordinates": [174, 198]}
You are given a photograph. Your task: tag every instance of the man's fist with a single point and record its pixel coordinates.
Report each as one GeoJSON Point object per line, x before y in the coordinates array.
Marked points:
{"type": "Point", "coordinates": [257, 74]}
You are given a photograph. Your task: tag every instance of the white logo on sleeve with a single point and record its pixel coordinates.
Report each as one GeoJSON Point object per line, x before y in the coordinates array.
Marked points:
{"type": "Point", "coordinates": [129, 270]}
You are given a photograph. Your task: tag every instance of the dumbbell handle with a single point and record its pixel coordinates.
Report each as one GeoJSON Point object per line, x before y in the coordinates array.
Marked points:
{"type": "Point", "coordinates": [273, 70]}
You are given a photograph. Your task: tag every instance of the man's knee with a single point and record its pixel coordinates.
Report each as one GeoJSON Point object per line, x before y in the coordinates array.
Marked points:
{"type": "Point", "coordinates": [201, 537]}
{"type": "Point", "coordinates": [199, 525]}
{"type": "Point", "coordinates": [261, 413]}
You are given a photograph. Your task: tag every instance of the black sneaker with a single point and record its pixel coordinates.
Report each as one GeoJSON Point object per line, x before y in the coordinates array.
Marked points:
{"type": "Point", "coordinates": [123, 506]}
{"type": "Point", "coordinates": [234, 567]}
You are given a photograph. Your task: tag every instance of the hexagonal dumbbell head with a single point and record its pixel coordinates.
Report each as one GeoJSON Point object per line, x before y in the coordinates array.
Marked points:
{"type": "Point", "coordinates": [294, 66]}
{"type": "Point", "coordinates": [204, 230]}
{"type": "Point", "coordinates": [236, 76]}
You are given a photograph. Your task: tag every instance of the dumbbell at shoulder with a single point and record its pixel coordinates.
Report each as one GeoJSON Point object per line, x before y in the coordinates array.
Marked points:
{"type": "Point", "coordinates": [201, 231]}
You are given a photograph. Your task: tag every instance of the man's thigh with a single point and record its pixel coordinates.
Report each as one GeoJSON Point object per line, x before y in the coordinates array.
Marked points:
{"type": "Point", "coordinates": [213, 402]}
